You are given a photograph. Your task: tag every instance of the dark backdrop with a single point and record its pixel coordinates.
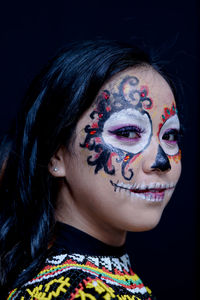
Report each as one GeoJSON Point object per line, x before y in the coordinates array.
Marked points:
{"type": "Point", "coordinates": [31, 32]}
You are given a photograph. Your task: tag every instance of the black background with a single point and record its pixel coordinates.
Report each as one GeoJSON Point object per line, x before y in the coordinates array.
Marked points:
{"type": "Point", "coordinates": [31, 32]}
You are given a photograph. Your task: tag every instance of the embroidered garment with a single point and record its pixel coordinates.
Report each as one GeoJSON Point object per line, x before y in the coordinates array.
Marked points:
{"type": "Point", "coordinates": [81, 267]}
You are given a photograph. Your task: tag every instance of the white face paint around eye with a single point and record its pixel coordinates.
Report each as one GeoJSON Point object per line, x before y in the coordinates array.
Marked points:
{"type": "Point", "coordinates": [128, 130]}
{"type": "Point", "coordinates": [168, 135]}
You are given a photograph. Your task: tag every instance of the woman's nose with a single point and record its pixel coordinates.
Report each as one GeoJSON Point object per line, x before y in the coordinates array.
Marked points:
{"type": "Point", "coordinates": [155, 159]}
{"type": "Point", "coordinates": [162, 161]}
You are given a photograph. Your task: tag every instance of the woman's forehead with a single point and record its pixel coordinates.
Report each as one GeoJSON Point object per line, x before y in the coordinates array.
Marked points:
{"type": "Point", "coordinates": [148, 79]}
{"type": "Point", "coordinates": [141, 88]}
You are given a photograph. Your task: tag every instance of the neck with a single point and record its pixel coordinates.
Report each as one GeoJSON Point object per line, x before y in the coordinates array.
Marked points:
{"type": "Point", "coordinates": [69, 213]}
{"type": "Point", "coordinates": [102, 233]}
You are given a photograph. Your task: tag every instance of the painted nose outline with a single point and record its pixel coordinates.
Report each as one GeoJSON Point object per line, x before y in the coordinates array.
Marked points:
{"type": "Point", "coordinates": [162, 161]}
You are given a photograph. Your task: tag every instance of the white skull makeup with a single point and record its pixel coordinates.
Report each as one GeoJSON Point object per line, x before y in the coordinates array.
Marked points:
{"type": "Point", "coordinates": [128, 129]}
{"type": "Point", "coordinates": [168, 134]}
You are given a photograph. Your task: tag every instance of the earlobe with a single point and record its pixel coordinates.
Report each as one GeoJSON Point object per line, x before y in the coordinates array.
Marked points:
{"type": "Point", "coordinates": [56, 165]}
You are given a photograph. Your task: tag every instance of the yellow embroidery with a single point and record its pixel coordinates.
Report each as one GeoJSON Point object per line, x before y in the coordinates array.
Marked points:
{"type": "Point", "coordinates": [148, 290]}
{"type": "Point", "coordinates": [82, 295]}
{"type": "Point", "coordinates": [100, 288]}
{"type": "Point", "coordinates": [37, 294]}
{"type": "Point", "coordinates": [127, 297]}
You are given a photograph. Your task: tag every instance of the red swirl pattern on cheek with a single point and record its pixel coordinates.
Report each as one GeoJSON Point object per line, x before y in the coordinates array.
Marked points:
{"type": "Point", "coordinates": [129, 160]}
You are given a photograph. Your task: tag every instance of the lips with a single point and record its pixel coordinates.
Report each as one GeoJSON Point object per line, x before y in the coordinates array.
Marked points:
{"type": "Point", "coordinates": [153, 192]}
{"type": "Point", "coordinates": [150, 194]}
{"type": "Point", "coordinates": [158, 191]}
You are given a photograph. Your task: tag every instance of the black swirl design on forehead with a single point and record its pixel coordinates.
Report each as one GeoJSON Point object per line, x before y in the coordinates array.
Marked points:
{"type": "Point", "coordinates": [129, 96]}
{"type": "Point", "coordinates": [137, 97]}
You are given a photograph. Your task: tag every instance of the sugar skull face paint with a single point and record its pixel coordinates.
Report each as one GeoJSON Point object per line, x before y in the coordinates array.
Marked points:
{"type": "Point", "coordinates": [122, 127]}
{"type": "Point", "coordinates": [121, 173]}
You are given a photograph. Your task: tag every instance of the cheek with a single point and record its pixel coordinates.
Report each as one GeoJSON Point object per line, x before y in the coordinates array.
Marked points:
{"type": "Point", "coordinates": [127, 166]}
{"type": "Point", "coordinates": [176, 158]}
{"type": "Point", "coordinates": [176, 165]}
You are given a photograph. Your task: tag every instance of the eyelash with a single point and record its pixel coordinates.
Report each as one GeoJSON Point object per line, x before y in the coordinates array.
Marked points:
{"type": "Point", "coordinates": [124, 132]}
{"type": "Point", "coordinates": [172, 133]}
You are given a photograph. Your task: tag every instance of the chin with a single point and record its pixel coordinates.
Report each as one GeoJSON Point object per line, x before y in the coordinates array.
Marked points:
{"type": "Point", "coordinates": [145, 224]}
{"type": "Point", "coordinates": [146, 227]}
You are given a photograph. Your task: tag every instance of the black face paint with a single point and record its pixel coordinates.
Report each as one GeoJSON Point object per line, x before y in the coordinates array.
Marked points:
{"type": "Point", "coordinates": [162, 162]}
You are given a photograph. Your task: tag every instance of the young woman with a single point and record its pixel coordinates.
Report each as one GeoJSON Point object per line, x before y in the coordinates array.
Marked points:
{"type": "Point", "coordinates": [93, 154]}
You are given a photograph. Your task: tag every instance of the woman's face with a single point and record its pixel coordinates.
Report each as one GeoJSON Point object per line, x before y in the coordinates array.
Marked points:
{"type": "Point", "coordinates": [125, 161]}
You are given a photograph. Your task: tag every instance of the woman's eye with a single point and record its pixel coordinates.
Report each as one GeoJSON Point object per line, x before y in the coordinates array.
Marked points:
{"type": "Point", "coordinates": [171, 135]}
{"type": "Point", "coordinates": [127, 132]}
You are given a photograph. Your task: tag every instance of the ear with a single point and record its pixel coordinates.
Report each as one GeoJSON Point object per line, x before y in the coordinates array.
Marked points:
{"type": "Point", "coordinates": [56, 165]}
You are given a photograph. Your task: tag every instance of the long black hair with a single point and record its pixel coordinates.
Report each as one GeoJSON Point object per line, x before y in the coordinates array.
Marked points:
{"type": "Point", "coordinates": [56, 99]}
